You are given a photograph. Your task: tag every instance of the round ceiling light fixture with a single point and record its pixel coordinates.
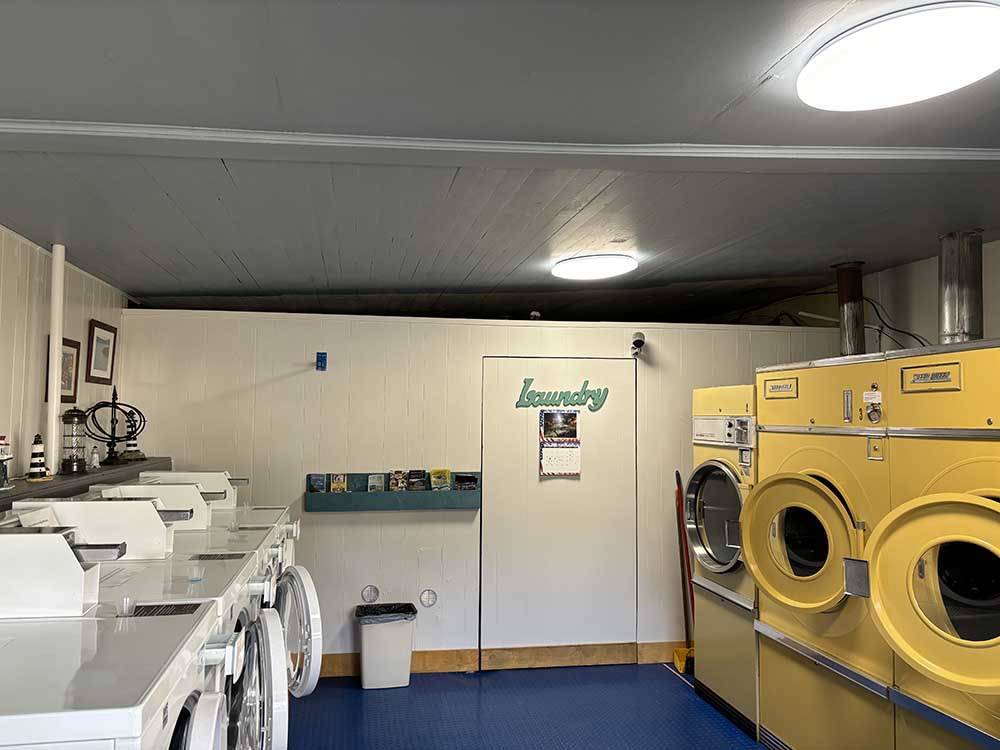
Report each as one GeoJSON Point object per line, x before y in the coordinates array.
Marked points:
{"type": "Point", "coordinates": [904, 57]}
{"type": "Point", "coordinates": [590, 267]}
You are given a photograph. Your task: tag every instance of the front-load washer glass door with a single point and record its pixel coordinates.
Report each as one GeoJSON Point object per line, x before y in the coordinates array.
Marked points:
{"type": "Point", "coordinates": [795, 531]}
{"type": "Point", "coordinates": [712, 506]}
{"type": "Point", "coordinates": [244, 691]}
{"type": "Point", "coordinates": [258, 716]}
{"type": "Point", "coordinates": [297, 603]}
{"type": "Point", "coordinates": [934, 582]}
{"type": "Point", "coordinates": [201, 724]}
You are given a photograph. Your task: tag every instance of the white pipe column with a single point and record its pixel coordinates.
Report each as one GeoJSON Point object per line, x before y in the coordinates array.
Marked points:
{"type": "Point", "coordinates": [53, 429]}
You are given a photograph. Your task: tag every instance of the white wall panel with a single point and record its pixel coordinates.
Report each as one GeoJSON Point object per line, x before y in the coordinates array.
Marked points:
{"type": "Point", "coordinates": [24, 325]}
{"type": "Point", "coordinates": [240, 391]}
{"type": "Point", "coordinates": [910, 294]}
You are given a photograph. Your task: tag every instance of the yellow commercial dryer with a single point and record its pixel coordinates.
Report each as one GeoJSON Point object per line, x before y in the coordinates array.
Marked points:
{"type": "Point", "coordinates": [934, 562]}
{"type": "Point", "coordinates": [724, 439]}
{"type": "Point", "coordinates": [823, 483]}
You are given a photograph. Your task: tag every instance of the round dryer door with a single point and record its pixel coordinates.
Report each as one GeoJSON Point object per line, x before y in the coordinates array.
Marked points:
{"type": "Point", "coordinates": [712, 504]}
{"type": "Point", "coordinates": [258, 718]}
{"type": "Point", "coordinates": [934, 579]}
{"type": "Point", "coordinates": [201, 724]}
{"type": "Point", "coordinates": [795, 532]}
{"type": "Point", "coordinates": [297, 603]}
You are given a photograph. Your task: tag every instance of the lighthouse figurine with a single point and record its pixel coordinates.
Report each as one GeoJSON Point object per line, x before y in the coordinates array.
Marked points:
{"type": "Point", "coordinates": [37, 471]}
{"type": "Point", "coordinates": [5, 457]}
{"type": "Point", "coordinates": [132, 452]}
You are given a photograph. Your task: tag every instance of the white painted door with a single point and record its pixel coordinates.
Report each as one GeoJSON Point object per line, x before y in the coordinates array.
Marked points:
{"type": "Point", "coordinates": [559, 554]}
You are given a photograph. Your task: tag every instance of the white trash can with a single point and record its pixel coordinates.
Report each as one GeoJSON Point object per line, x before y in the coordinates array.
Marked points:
{"type": "Point", "coordinates": [386, 643]}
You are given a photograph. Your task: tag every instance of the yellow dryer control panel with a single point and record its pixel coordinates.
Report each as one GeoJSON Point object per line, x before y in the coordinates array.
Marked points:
{"type": "Point", "coordinates": [847, 392]}
{"type": "Point", "coordinates": [724, 399]}
{"type": "Point", "coordinates": [956, 389]}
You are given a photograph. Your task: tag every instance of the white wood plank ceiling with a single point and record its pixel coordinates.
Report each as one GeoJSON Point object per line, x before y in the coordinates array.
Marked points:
{"type": "Point", "coordinates": [239, 217]}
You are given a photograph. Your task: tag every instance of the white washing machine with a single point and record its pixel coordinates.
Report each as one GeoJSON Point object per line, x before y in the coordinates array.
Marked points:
{"type": "Point", "coordinates": [267, 533]}
{"type": "Point", "coordinates": [256, 687]}
{"type": "Point", "coordinates": [140, 682]}
{"type": "Point", "coordinates": [76, 679]}
{"type": "Point", "coordinates": [295, 597]}
{"type": "Point", "coordinates": [261, 531]}
{"type": "Point", "coordinates": [60, 583]}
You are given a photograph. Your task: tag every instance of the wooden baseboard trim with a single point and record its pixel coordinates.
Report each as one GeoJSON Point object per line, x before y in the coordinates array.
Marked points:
{"type": "Point", "coordinates": [446, 660]}
{"type": "Point", "coordinates": [658, 652]}
{"type": "Point", "coordinates": [438, 660]}
{"type": "Point", "coordinates": [578, 655]}
{"type": "Point", "coordinates": [467, 659]}
{"type": "Point", "coordinates": [341, 665]}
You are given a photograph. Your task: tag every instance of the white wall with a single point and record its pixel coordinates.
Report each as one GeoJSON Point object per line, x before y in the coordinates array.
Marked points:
{"type": "Point", "coordinates": [910, 294]}
{"type": "Point", "coordinates": [239, 390]}
{"type": "Point", "coordinates": [25, 269]}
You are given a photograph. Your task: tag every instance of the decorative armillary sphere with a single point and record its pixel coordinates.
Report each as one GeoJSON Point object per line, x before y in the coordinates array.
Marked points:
{"type": "Point", "coordinates": [133, 421]}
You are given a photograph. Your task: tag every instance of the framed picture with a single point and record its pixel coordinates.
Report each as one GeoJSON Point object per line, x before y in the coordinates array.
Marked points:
{"type": "Point", "coordinates": [69, 370]}
{"type": "Point", "coordinates": [101, 352]}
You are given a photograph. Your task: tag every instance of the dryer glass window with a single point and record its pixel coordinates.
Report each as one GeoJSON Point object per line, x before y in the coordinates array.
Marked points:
{"type": "Point", "coordinates": [957, 587]}
{"type": "Point", "coordinates": [798, 542]}
{"type": "Point", "coordinates": [719, 505]}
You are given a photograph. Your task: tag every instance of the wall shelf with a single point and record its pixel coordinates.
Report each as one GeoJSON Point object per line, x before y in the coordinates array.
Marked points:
{"type": "Point", "coordinates": [67, 485]}
{"type": "Point", "coordinates": [357, 499]}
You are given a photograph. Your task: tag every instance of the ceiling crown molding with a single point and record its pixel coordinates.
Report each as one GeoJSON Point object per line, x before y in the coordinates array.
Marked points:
{"type": "Point", "coordinates": [200, 142]}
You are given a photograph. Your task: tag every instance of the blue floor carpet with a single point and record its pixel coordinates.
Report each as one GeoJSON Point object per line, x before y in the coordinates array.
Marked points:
{"type": "Point", "coordinates": [628, 707]}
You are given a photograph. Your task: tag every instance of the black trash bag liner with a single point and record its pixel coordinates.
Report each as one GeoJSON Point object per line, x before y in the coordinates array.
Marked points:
{"type": "Point", "coordinates": [374, 614]}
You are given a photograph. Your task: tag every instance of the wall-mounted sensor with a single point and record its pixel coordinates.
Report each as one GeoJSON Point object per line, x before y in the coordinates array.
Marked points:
{"type": "Point", "coordinates": [320, 361]}
{"type": "Point", "coordinates": [638, 341]}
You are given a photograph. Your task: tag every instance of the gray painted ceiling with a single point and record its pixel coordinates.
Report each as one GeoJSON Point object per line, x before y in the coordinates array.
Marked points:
{"type": "Point", "coordinates": [628, 71]}
{"type": "Point", "coordinates": [208, 219]}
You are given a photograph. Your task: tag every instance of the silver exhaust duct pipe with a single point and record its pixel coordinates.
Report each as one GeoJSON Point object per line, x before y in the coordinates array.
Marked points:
{"type": "Point", "coordinates": [851, 301]}
{"type": "Point", "coordinates": [960, 287]}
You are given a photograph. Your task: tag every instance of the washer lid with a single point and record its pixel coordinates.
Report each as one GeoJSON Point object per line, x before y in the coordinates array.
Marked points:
{"type": "Point", "coordinates": [209, 723]}
{"type": "Point", "coordinates": [298, 605]}
{"type": "Point", "coordinates": [795, 531]}
{"type": "Point", "coordinates": [934, 577]}
{"type": "Point", "coordinates": [712, 503]}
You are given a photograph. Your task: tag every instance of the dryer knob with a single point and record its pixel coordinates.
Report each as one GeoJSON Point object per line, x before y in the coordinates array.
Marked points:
{"type": "Point", "coordinates": [874, 413]}
{"type": "Point", "coordinates": [292, 530]}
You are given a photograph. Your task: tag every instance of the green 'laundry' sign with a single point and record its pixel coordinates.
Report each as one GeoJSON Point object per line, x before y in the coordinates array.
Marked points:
{"type": "Point", "coordinates": [592, 398]}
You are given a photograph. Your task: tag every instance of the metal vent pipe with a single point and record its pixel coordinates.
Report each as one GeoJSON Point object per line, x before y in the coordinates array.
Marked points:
{"type": "Point", "coordinates": [850, 299]}
{"type": "Point", "coordinates": [960, 287]}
